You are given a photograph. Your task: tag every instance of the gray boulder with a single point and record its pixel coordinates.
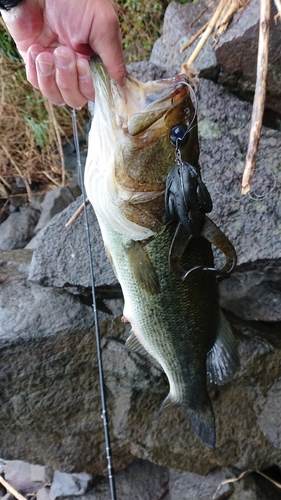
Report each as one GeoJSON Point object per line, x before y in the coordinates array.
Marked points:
{"type": "Point", "coordinates": [141, 480]}
{"type": "Point", "coordinates": [177, 31]}
{"type": "Point", "coordinates": [55, 201]}
{"type": "Point", "coordinates": [61, 257]}
{"type": "Point", "coordinates": [236, 55]}
{"type": "Point", "coordinates": [50, 397]}
{"type": "Point", "coordinates": [18, 229]}
{"type": "Point", "coordinates": [26, 478]}
{"type": "Point", "coordinates": [66, 485]}
{"type": "Point", "coordinates": [231, 58]}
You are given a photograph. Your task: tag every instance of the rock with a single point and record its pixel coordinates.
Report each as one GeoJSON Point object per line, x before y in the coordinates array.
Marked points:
{"type": "Point", "coordinates": [26, 478]}
{"type": "Point", "coordinates": [251, 222]}
{"type": "Point", "coordinates": [43, 494]}
{"type": "Point", "coordinates": [61, 258]}
{"type": "Point", "coordinates": [55, 201]}
{"type": "Point", "coordinates": [2, 466]}
{"type": "Point", "coordinates": [142, 480]}
{"type": "Point", "coordinates": [18, 229]}
{"type": "Point", "coordinates": [254, 294]}
{"type": "Point", "coordinates": [49, 383]}
{"type": "Point", "coordinates": [222, 162]}
{"type": "Point", "coordinates": [147, 70]}
{"type": "Point", "coordinates": [176, 31]}
{"type": "Point", "coordinates": [55, 381]}
{"type": "Point", "coordinates": [232, 60]}
{"type": "Point", "coordinates": [195, 487]}
{"type": "Point", "coordinates": [236, 55]}
{"type": "Point", "coordinates": [65, 485]}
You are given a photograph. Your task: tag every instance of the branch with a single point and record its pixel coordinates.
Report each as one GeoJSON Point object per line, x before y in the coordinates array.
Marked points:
{"type": "Point", "coordinates": [77, 213]}
{"type": "Point", "coordinates": [11, 490]}
{"type": "Point", "coordinates": [207, 33]}
{"type": "Point", "coordinates": [259, 99]}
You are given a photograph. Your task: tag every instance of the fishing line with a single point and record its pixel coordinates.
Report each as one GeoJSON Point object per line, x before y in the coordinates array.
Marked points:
{"type": "Point", "coordinates": [96, 319]}
{"type": "Point", "coordinates": [194, 102]}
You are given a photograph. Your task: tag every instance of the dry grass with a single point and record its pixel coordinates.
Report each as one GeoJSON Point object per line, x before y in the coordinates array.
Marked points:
{"type": "Point", "coordinates": [31, 134]}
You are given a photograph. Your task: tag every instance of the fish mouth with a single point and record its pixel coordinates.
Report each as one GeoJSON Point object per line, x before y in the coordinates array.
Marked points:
{"type": "Point", "coordinates": [138, 106]}
{"type": "Point", "coordinates": [167, 94]}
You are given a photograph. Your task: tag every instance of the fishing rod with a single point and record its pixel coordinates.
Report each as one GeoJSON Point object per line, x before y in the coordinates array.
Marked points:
{"type": "Point", "coordinates": [96, 319]}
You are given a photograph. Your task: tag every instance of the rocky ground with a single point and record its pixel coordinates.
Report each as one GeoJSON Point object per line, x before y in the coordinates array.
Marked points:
{"type": "Point", "coordinates": [49, 390]}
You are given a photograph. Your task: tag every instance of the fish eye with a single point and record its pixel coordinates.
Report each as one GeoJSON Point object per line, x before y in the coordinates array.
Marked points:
{"type": "Point", "coordinates": [179, 135]}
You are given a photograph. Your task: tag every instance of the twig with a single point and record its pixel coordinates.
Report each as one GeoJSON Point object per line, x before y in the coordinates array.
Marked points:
{"type": "Point", "coordinates": [232, 480]}
{"type": "Point", "coordinates": [231, 9]}
{"type": "Point", "coordinates": [207, 32]}
{"type": "Point", "coordinates": [278, 485]}
{"type": "Point", "coordinates": [76, 214]}
{"type": "Point", "coordinates": [51, 179]}
{"type": "Point", "coordinates": [3, 208]}
{"type": "Point", "coordinates": [11, 490]}
{"type": "Point", "coordinates": [28, 190]}
{"type": "Point", "coordinates": [201, 14]}
{"type": "Point", "coordinates": [259, 99]}
{"type": "Point", "coordinates": [5, 182]}
{"type": "Point", "coordinates": [193, 38]}
{"type": "Point", "coordinates": [162, 493]}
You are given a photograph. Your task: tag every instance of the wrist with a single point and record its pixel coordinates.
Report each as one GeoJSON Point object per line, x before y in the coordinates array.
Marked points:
{"type": "Point", "coordinates": [8, 4]}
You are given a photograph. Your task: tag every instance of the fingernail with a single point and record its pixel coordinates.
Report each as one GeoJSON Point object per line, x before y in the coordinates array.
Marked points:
{"type": "Point", "coordinates": [62, 61]}
{"type": "Point", "coordinates": [46, 68]}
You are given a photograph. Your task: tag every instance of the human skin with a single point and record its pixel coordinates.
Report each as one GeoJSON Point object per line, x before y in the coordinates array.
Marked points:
{"type": "Point", "coordinates": [56, 39]}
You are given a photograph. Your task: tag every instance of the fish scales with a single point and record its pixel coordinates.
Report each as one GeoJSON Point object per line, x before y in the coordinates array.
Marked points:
{"type": "Point", "coordinates": [178, 321]}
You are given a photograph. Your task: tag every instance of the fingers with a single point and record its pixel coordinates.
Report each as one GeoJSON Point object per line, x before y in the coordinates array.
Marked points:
{"type": "Point", "coordinates": [60, 76]}
{"type": "Point", "coordinates": [85, 79]}
{"type": "Point", "coordinates": [105, 40]}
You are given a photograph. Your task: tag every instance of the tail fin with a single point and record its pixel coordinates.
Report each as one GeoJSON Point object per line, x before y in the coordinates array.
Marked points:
{"type": "Point", "coordinates": [203, 423]}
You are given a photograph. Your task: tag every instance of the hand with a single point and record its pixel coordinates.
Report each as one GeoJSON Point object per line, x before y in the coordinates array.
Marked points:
{"type": "Point", "coordinates": [56, 38]}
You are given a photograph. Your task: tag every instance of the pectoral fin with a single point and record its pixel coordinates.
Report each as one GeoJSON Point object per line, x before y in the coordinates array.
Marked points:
{"type": "Point", "coordinates": [142, 269]}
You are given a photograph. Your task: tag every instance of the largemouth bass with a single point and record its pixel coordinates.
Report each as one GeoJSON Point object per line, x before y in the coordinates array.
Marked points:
{"type": "Point", "coordinates": [176, 320]}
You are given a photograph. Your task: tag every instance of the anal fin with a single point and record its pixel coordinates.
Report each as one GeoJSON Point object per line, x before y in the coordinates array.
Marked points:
{"type": "Point", "coordinates": [223, 359]}
{"type": "Point", "coordinates": [134, 345]}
